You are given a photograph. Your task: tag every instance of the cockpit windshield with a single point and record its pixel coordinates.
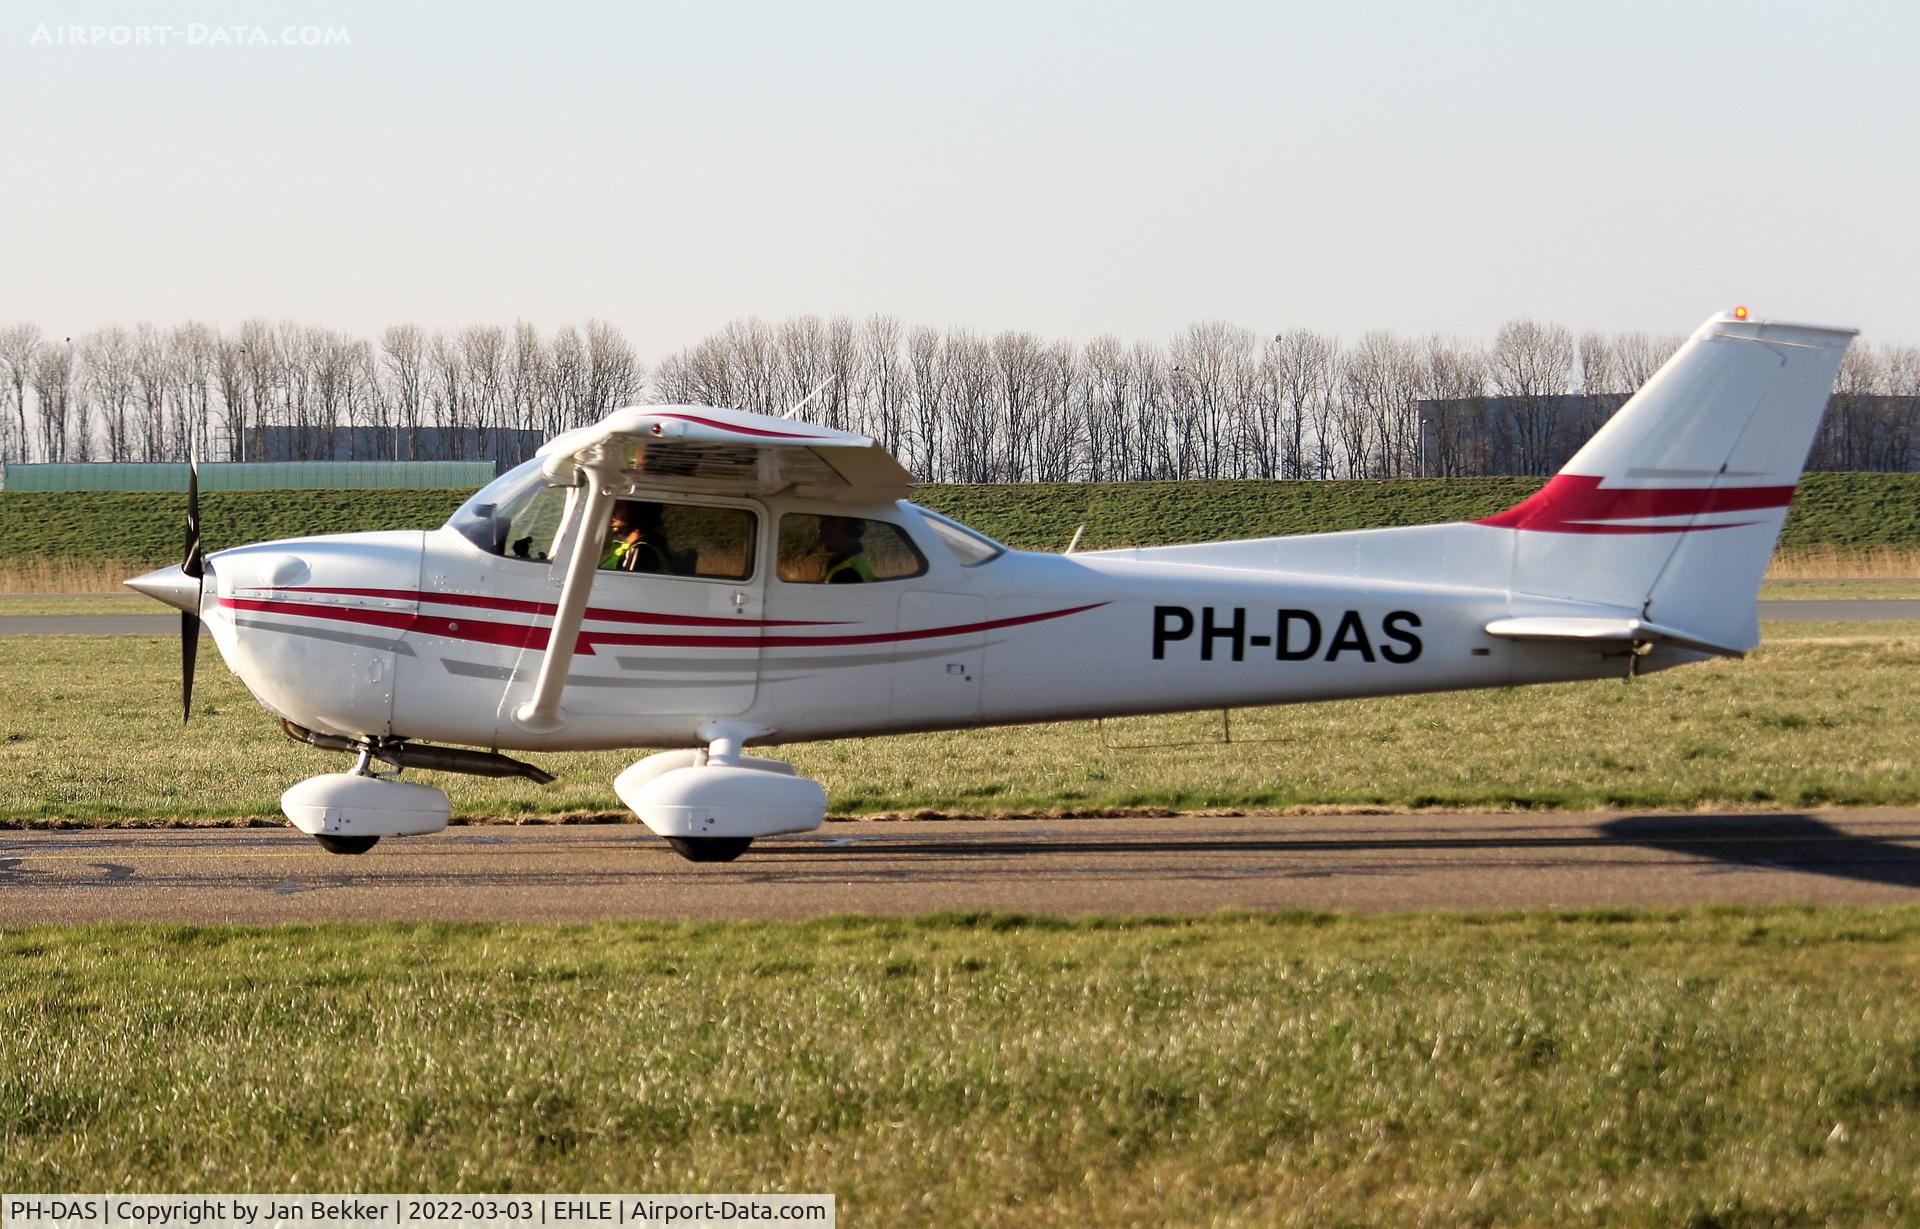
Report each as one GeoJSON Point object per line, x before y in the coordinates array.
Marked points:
{"type": "Point", "coordinates": [516, 515]}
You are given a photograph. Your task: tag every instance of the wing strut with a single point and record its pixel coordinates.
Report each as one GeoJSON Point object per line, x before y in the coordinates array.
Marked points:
{"type": "Point", "coordinates": [541, 714]}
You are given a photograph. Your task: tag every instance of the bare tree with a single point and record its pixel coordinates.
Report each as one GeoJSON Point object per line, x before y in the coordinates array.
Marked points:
{"type": "Point", "coordinates": [151, 377]}
{"type": "Point", "coordinates": [1106, 410]}
{"type": "Point", "coordinates": [108, 383]}
{"type": "Point", "coordinates": [262, 369]}
{"type": "Point", "coordinates": [1902, 381]}
{"type": "Point", "coordinates": [1376, 422]}
{"type": "Point", "coordinates": [972, 419]}
{"type": "Point", "coordinates": [337, 365]}
{"type": "Point", "coordinates": [613, 374]}
{"type": "Point", "coordinates": [483, 351]}
{"type": "Point", "coordinates": [298, 350]}
{"type": "Point", "coordinates": [403, 351]}
{"type": "Point", "coordinates": [927, 394]}
{"type": "Point", "coordinates": [803, 360]}
{"type": "Point", "coordinates": [1638, 355]}
{"type": "Point", "coordinates": [1154, 414]}
{"type": "Point", "coordinates": [528, 380]}
{"type": "Point", "coordinates": [192, 359]}
{"type": "Point", "coordinates": [1454, 437]}
{"type": "Point", "coordinates": [447, 396]}
{"type": "Point", "coordinates": [1530, 363]}
{"type": "Point", "coordinates": [19, 344]}
{"type": "Point", "coordinates": [1055, 443]}
{"type": "Point", "coordinates": [567, 380]}
{"type": "Point", "coordinates": [1214, 369]}
{"type": "Point", "coordinates": [52, 379]}
{"type": "Point", "coordinates": [1017, 369]}
{"type": "Point", "coordinates": [1846, 437]}
{"type": "Point", "coordinates": [886, 371]}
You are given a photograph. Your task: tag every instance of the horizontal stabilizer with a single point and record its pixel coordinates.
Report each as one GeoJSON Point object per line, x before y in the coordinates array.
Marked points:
{"type": "Point", "coordinates": [1575, 630]}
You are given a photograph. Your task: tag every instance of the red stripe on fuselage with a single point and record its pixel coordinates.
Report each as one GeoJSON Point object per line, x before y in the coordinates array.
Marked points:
{"type": "Point", "coordinates": [1577, 503]}
{"type": "Point", "coordinates": [517, 636]}
{"type": "Point", "coordinates": [605, 614]}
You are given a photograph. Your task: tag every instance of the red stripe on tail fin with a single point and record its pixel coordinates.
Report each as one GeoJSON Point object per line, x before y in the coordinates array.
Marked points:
{"type": "Point", "coordinates": [1578, 503]}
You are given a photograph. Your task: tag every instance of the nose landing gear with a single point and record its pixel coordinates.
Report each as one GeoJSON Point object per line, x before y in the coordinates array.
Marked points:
{"type": "Point", "coordinates": [348, 812]}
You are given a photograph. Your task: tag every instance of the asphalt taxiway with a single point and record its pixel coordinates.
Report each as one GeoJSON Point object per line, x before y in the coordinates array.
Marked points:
{"type": "Point", "coordinates": [1065, 866]}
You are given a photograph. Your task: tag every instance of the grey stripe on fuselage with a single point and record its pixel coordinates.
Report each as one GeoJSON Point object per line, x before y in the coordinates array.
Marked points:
{"type": "Point", "coordinates": [483, 670]}
{"type": "Point", "coordinates": [773, 669]}
{"type": "Point", "coordinates": [775, 660]}
{"type": "Point", "coordinates": [397, 647]}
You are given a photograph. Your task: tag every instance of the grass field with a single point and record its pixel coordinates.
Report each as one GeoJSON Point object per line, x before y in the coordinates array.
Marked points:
{"type": "Point", "coordinates": [128, 603]}
{"type": "Point", "coordinates": [1821, 714]}
{"type": "Point", "coordinates": [1729, 1067]}
{"type": "Point", "coordinates": [1839, 590]}
{"type": "Point", "coordinates": [1847, 511]}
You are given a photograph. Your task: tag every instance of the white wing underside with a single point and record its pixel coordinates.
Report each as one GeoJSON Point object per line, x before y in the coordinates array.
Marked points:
{"type": "Point", "coordinates": [700, 448]}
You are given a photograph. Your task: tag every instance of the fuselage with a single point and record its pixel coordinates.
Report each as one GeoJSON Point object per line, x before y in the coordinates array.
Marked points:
{"type": "Point", "coordinates": [438, 635]}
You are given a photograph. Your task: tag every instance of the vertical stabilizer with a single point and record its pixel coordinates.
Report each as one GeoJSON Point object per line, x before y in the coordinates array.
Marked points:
{"type": "Point", "coordinates": [1673, 507]}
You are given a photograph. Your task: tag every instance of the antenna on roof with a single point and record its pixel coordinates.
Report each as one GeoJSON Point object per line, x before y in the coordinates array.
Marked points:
{"type": "Point", "coordinates": [799, 405]}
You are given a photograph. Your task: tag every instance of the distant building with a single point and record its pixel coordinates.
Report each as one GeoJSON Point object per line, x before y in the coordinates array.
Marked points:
{"type": "Point", "coordinates": [505, 447]}
{"type": "Point", "coordinates": [1471, 436]}
{"type": "Point", "coordinates": [1475, 436]}
{"type": "Point", "coordinates": [247, 476]}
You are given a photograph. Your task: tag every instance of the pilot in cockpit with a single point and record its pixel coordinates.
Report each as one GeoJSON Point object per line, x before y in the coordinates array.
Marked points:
{"type": "Point", "coordinates": [637, 540]}
{"type": "Point", "coordinates": [841, 538]}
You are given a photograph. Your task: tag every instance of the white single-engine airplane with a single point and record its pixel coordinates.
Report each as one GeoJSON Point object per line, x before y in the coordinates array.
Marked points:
{"type": "Point", "coordinates": [691, 577]}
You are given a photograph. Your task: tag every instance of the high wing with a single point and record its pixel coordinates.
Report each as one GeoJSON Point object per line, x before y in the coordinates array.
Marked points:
{"type": "Point", "coordinates": [700, 448]}
{"type": "Point", "coordinates": [685, 448]}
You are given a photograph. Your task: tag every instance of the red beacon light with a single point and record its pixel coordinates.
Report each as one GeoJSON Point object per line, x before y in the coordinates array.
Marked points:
{"type": "Point", "coordinates": [1740, 313]}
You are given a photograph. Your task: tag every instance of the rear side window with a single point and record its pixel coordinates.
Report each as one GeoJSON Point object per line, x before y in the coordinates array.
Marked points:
{"type": "Point", "coordinates": [844, 550]}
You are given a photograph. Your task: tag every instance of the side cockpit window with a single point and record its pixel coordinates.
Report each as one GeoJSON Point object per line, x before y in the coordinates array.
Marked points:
{"type": "Point", "coordinates": [844, 550]}
{"type": "Point", "coordinates": [663, 539]}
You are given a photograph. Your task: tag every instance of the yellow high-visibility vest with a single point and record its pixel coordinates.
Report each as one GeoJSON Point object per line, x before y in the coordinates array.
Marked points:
{"type": "Point", "coordinates": [857, 564]}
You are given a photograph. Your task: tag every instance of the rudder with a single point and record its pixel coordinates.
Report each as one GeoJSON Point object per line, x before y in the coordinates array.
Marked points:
{"type": "Point", "coordinates": [1672, 509]}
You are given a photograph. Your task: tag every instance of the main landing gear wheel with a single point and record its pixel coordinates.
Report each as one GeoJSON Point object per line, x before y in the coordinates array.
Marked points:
{"type": "Point", "coordinates": [347, 844]}
{"type": "Point", "coordinates": [709, 848]}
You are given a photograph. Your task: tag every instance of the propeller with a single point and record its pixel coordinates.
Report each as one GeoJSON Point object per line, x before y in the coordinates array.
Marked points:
{"type": "Point", "coordinates": [193, 565]}
{"type": "Point", "coordinates": [181, 586]}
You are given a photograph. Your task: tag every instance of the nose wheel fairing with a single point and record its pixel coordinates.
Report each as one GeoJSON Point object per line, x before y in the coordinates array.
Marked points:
{"type": "Point", "coordinates": [351, 806]}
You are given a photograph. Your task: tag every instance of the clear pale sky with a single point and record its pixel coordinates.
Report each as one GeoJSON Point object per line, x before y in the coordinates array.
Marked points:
{"type": "Point", "coordinates": [1071, 169]}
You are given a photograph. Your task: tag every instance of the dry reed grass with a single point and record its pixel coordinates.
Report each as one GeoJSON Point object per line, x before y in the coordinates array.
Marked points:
{"type": "Point", "coordinates": [64, 576]}
{"type": "Point", "coordinates": [1845, 563]}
